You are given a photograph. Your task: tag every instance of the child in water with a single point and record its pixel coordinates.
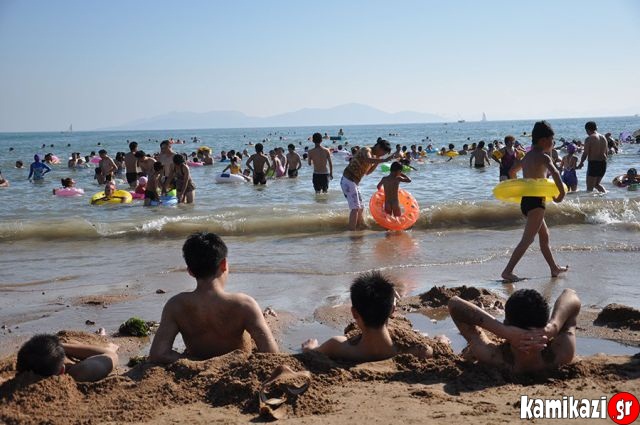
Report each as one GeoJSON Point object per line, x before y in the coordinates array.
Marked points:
{"type": "Point", "coordinates": [391, 184]}
{"type": "Point", "coordinates": [535, 165]}
{"type": "Point", "coordinates": [66, 183]}
{"type": "Point", "coordinates": [568, 168]}
{"type": "Point", "coordinates": [142, 185]}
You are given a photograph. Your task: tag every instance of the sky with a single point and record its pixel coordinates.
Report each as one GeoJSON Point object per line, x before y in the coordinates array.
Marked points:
{"type": "Point", "coordinates": [96, 64]}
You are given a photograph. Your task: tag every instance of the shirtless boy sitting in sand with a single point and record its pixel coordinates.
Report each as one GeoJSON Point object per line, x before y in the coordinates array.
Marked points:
{"type": "Point", "coordinates": [45, 355]}
{"type": "Point", "coordinates": [211, 321]}
{"type": "Point", "coordinates": [534, 342]}
{"type": "Point", "coordinates": [372, 303]}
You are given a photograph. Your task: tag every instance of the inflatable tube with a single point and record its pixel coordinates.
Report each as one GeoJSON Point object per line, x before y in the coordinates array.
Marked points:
{"type": "Point", "coordinates": [165, 201]}
{"type": "Point", "coordinates": [69, 191]}
{"type": "Point", "coordinates": [119, 197]}
{"type": "Point", "coordinates": [514, 190]}
{"type": "Point", "coordinates": [497, 154]}
{"type": "Point", "coordinates": [135, 195]}
{"type": "Point", "coordinates": [451, 154]}
{"type": "Point", "coordinates": [195, 164]}
{"type": "Point", "coordinates": [624, 181]}
{"type": "Point", "coordinates": [431, 151]}
{"type": "Point", "coordinates": [229, 178]}
{"type": "Point", "coordinates": [95, 160]}
{"type": "Point", "coordinates": [204, 148]}
{"type": "Point", "coordinates": [410, 214]}
{"type": "Point", "coordinates": [386, 167]}
{"type": "Point", "coordinates": [55, 159]}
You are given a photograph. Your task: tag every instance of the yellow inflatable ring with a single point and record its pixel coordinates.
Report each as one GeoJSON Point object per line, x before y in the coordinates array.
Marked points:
{"type": "Point", "coordinates": [118, 197]}
{"type": "Point", "coordinates": [411, 211]}
{"type": "Point", "coordinates": [514, 190]}
{"type": "Point", "coordinates": [497, 154]}
{"type": "Point", "coordinates": [451, 154]}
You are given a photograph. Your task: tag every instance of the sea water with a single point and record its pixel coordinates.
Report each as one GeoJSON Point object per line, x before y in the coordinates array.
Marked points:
{"type": "Point", "coordinates": [288, 247]}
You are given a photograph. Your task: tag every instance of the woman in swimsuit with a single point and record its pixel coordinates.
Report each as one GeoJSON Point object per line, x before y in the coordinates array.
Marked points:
{"type": "Point", "coordinates": [184, 185]}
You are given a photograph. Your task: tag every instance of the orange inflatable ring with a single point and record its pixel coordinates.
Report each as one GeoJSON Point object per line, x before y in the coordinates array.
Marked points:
{"type": "Point", "coordinates": [411, 211]}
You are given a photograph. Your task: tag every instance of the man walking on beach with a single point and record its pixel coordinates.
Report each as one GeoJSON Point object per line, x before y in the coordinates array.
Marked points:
{"type": "Point", "coordinates": [595, 150]}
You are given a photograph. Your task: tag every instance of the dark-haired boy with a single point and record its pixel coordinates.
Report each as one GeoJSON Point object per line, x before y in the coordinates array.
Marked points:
{"type": "Point", "coordinates": [372, 303]}
{"type": "Point", "coordinates": [535, 165]}
{"type": "Point", "coordinates": [535, 341]}
{"type": "Point", "coordinates": [259, 160]}
{"type": "Point", "coordinates": [212, 322]}
{"type": "Point", "coordinates": [131, 165]}
{"type": "Point", "coordinates": [595, 151]}
{"type": "Point", "coordinates": [293, 162]}
{"type": "Point", "coordinates": [107, 167]}
{"type": "Point", "coordinates": [320, 157]}
{"type": "Point", "coordinates": [391, 185]}
{"type": "Point", "coordinates": [45, 355]}
{"type": "Point", "coordinates": [362, 163]}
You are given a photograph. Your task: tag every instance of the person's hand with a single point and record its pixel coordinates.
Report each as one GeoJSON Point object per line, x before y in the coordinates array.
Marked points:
{"type": "Point", "coordinates": [551, 330]}
{"type": "Point", "coordinates": [330, 176]}
{"type": "Point", "coordinates": [558, 198]}
{"type": "Point", "coordinates": [310, 344]}
{"type": "Point", "coordinates": [527, 340]}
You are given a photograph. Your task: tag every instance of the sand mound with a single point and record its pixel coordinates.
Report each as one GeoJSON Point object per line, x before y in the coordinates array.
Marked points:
{"type": "Point", "coordinates": [438, 297]}
{"type": "Point", "coordinates": [619, 316]}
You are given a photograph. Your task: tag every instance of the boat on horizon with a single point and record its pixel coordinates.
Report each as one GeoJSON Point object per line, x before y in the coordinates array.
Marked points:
{"type": "Point", "coordinates": [484, 117]}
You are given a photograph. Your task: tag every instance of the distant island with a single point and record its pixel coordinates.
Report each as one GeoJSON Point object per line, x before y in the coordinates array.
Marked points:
{"type": "Point", "coordinates": [348, 114]}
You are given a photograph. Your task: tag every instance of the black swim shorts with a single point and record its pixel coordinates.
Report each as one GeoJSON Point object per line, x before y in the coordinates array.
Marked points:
{"type": "Point", "coordinates": [131, 177]}
{"type": "Point", "coordinates": [529, 203]}
{"type": "Point", "coordinates": [259, 178]}
{"type": "Point", "coordinates": [292, 173]}
{"type": "Point", "coordinates": [596, 168]}
{"type": "Point", "coordinates": [152, 195]}
{"type": "Point", "coordinates": [320, 182]}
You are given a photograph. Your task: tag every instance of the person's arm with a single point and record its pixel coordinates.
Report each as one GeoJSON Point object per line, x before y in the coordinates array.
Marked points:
{"type": "Point", "coordinates": [470, 159]}
{"type": "Point", "coordinates": [258, 328]}
{"type": "Point", "coordinates": [299, 161]}
{"type": "Point", "coordinates": [226, 168]}
{"type": "Point", "coordinates": [561, 328]}
{"type": "Point", "coordinates": [161, 351]}
{"type": "Point", "coordinates": [96, 362]}
{"type": "Point", "coordinates": [553, 171]}
{"type": "Point", "coordinates": [585, 153]}
{"type": "Point", "coordinates": [186, 176]}
{"type": "Point", "coordinates": [486, 158]}
{"type": "Point", "coordinates": [249, 161]}
{"type": "Point", "coordinates": [330, 165]}
{"type": "Point", "coordinates": [470, 321]}
{"type": "Point", "coordinates": [30, 172]}
{"type": "Point", "coordinates": [46, 168]}
{"type": "Point", "coordinates": [404, 178]}
{"type": "Point", "coordinates": [331, 347]}
{"type": "Point", "coordinates": [513, 171]}
{"type": "Point", "coordinates": [380, 183]}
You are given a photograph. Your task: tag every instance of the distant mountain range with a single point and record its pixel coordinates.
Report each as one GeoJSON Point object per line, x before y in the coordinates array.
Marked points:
{"type": "Point", "coordinates": [349, 114]}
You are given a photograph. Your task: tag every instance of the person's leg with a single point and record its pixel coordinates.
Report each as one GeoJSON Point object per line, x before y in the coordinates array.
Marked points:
{"type": "Point", "coordinates": [353, 219]}
{"type": "Point", "coordinates": [535, 219]}
{"type": "Point", "coordinates": [360, 219]}
{"type": "Point", "coordinates": [190, 197]}
{"type": "Point", "coordinates": [591, 182]}
{"type": "Point", "coordinates": [598, 186]}
{"type": "Point", "coordinates": [543, 238]}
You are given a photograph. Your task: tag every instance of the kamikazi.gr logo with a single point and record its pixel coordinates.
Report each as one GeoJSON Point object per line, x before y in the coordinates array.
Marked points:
{"type": "Point", "coordinates": [622, 408]}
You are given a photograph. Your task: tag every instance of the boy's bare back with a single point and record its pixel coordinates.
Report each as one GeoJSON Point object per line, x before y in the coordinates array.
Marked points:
{"type": "Point", "coordinates": [391, 184]}
{"type": "Point", "coordinates": [320, 157]}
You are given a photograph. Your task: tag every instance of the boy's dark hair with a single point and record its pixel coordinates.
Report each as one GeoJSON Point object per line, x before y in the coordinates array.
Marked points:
{"type": "Point", "coordinates": [178, 159]}
{"type": "Point", "coordinates": [590, 126]}
{"type": "Point", "coordinates": [541, 129]}
{"type": "Point", "coordinates": [164, 143]}
{"type": "Point", "coordinates": [140, 154]}
{"type": "Point", "coordinates": [203, 252]}
{"type": "Point", "coordinates": [372, 295]}
{"type": "Point", "coordinates": [157, 166]}
{"type": "Point", "coordinates": [292, 146]}
{"type": "Point", "coordinates": [316, 138]}
{"type": "Point", "coordinates": [451, 146]}
{"type": "Point", "coordinates": [632, 172]}
{"type": "Point", "coordinates": [509, 138]}
{"type": "Point", "coordinates": [526, 309]}
{"type": "Point", "coordinates": [133, 145]}
{"type": "Point", "coordinates": [259, 148]}
{"type": "Point", "coordinates": [481, 144]}
{"type": "Point", "coordinates": [384, 145]}
{"type": "Point", "coordinates": [102, 151]}
{"type": "Point", "coordinates": [42, 354]}
{"type": "Point", "coordinates": [395, 166]}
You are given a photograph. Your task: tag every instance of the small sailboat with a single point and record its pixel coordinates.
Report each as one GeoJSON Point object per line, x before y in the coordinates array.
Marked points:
{"type": "Point", "coordinates": [484, 117]}
{"type": "Point", "coordinates": [70, 128]}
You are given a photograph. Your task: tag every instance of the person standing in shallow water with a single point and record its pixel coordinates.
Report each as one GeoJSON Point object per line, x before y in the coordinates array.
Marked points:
{"type": "Point", "coordinates": [535, 165]}
{"type": "Point", "coordinates": [362, 164]}
{"type": "Point", "coordinates": [595, 151]}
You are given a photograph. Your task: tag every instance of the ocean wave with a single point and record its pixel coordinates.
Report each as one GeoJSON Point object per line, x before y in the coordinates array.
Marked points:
{"type": "Point", "coordinates": [617, 213]}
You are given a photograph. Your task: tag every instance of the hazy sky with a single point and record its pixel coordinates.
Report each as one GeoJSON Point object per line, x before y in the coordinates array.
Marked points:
{"type": "Point", "coordinates": [102, 63]}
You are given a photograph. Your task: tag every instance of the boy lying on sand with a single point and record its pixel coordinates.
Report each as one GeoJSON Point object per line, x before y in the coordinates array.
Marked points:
{"type": "Point", "coordinates": [45, 355]}
{"type": "Point", "coordinates": [534, 342]}
{"type": "Point", "coordinates": [211, 321]}
{"type": "Point", "coordinates": [372, 303]}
